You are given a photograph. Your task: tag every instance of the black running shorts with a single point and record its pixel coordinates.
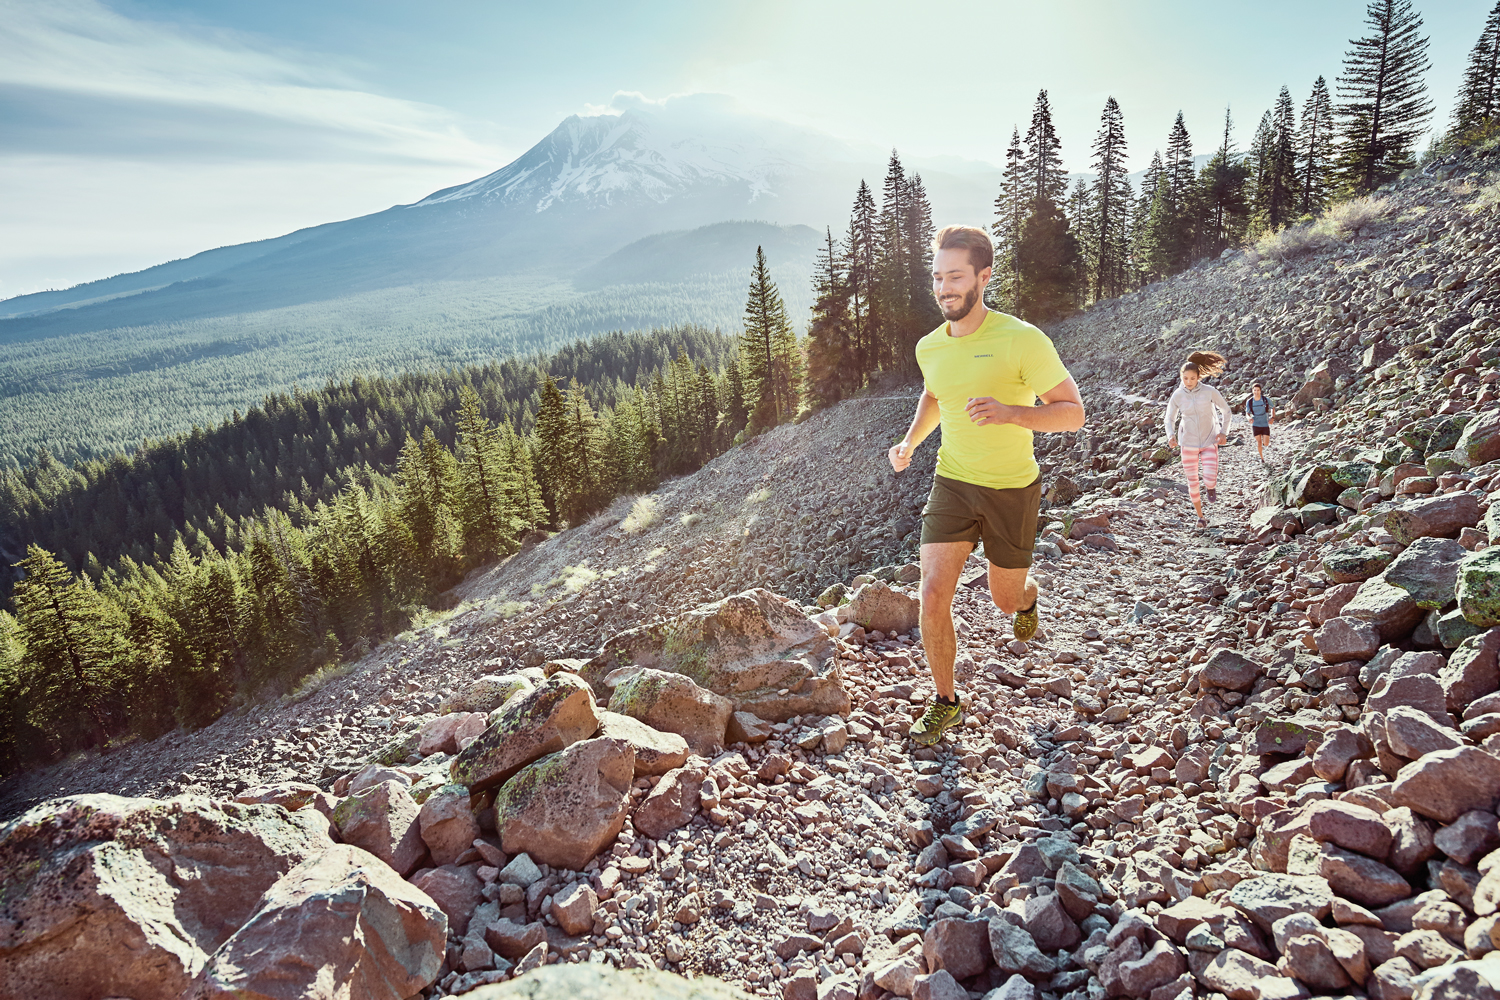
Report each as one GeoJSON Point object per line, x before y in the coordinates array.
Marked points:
{"type": "Point", "coordinates": [1262, 431]}
{"type": "Point", "coordinates": [1005, 519]}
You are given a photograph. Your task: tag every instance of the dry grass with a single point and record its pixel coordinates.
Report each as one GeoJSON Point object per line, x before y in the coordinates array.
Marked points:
{"type": "Point", "coordinates": [1341, 223]}
{"type": "Point", "coordinates": [642, 516]}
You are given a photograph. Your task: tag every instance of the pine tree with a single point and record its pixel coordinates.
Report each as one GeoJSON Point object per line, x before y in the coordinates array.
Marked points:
{"type": "Point", "coordinates": [1262, 162]}
{"type": "Point", "coordinates": [772, 369]}
{"type": "Point", "coordinates": [1049, 268]}
{"type": "Point", "coordinates": [1314, 146]}
{"type": "Point", "coordinates": [1478, 96]}
{"type": "Point", "coordinates": [1282, 184]}
{"type": "Point", "coordinates": [1043, 165]}
{"type": "Point", "coordinates": [1107, 235]}
{"type": "Point", "coordinates": [555, 468]}
{"type": "Point", "coordinates": [1222, 184]}
{"type": "Point", "coordinates": [860, 264]}
{"type": "Point", "coordinates": [71, 648]}
{"type": "Point", "coordinates": [1146, 239]}
{"type": "Point", "coordinates": [829, 371]}
{"type": "Point", "coordinates": [585, 448]}
{"type": "Point", "coordinates": [482, 509]}
{"type": "Point", "coordinates": [1079, 212]}
{"type": "Point", "coordinates": [918, 232]}
{"type": "Point", "coordinates": [892, 262]}
{"type": "Point", "coordinates": [1178, 176]}
{"type": "Point", "coordinates": [1010, 214]}
{"type": "Point", "coordinates": [1383, 105]}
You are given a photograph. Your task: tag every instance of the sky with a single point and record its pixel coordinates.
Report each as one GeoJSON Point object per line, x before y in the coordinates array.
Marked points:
{"type": "Point", "coordinates": [138, 131]}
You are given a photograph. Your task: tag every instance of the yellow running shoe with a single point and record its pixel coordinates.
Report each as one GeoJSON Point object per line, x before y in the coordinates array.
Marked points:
{"type": "Point", "coordinates": [938, 719]}
{"type": "Point", "coordinates": [1026, 622]}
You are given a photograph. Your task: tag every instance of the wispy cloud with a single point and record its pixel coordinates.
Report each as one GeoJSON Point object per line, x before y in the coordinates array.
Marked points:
{"type": "Point", "coordinates": [77, 78]}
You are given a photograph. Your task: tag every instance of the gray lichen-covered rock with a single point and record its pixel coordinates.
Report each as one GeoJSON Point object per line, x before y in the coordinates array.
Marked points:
{"type": "Point", "coordinates": [567, 807]}
{"type": "Point", "coordinates": [340, 924]}
{"type": "Point", "coordinates": [879, 607]}
{"type": "Point", "coordinates": [1478, 589]}
{"type": "Point", "coordinates": [599, 982]}
{"type": "Point", "coordinates": [102, 895]}
{"type": "Point", "coordinates": [558, 712]}
{"type": "Point", "coordinates": [673, 703]}
{"type": "Point", "coordinates": [1355, 563]}
{"type": "Point", "coordinates": [384, 820]}
{"type": "Point", "coordinates": [485, 694]}
{"type": "Point", "coordinates": [754, 648]}
{"type": "Point", "coordinates": [1427, 570]}
{"type": "Point", "coordinates": [656, 752]}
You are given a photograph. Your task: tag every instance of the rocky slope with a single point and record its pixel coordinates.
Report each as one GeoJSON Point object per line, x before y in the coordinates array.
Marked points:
{"type": "Point", "coordinates": [1258, 760]}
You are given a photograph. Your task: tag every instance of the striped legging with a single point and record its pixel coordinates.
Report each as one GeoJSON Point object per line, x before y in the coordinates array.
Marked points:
{"type": "Point", "coordinates": [1209, 459]}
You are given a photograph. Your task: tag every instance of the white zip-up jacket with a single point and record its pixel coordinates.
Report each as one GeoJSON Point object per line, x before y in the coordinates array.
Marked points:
{"type": "Point", "coordinates": [1205, 415]}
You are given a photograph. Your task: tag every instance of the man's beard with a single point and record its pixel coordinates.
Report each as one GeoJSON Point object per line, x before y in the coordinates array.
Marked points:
{"type": "Point", "coordinates": [963, 310]}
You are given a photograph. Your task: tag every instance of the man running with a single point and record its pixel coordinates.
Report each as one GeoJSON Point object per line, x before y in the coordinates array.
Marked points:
{"type": "Point", "coordinates": [1262, 415]}
{"type": "Point", "coordinates": [984, 371]}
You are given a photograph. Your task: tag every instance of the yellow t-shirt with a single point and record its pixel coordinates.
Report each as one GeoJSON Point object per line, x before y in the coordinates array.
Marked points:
{"type": "Point", "coordinates": [1006, 358]}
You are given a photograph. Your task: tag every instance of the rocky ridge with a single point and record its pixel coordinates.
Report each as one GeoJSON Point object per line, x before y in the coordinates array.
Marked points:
{"type": "Point", "coordinates": [1256, 761]}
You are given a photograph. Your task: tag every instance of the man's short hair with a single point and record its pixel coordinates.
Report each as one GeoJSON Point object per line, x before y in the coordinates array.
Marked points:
{"type": "Point", "coordinates": [976, 241]}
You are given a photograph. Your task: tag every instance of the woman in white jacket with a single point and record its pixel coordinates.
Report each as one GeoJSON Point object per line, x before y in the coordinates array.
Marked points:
{"type": "Point", "coordinates": [1204, 414]}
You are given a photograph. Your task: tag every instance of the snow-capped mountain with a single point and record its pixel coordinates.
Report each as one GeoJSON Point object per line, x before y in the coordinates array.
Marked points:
{"type": "Point", "coordinates": [592, 187]}
{"type": "Point", "coordinates": [655, 151]}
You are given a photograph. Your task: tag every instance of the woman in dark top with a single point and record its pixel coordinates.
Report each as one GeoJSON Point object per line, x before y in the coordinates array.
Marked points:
{"type": "Point", "coordinates": [1262, 415]}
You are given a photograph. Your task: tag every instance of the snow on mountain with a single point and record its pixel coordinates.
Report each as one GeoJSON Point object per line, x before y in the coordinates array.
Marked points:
{"type": "Point", "coordinates": [654, 151]}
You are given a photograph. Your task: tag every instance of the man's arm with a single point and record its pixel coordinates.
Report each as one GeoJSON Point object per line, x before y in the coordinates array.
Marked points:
{"type": "Point", "coordinates": [922, 424]}
{"type": "Point", "coordinates": [1061, 410]}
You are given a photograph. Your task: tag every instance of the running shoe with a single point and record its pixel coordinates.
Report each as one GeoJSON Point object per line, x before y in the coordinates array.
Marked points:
{"type": "Point", "coordinates": [1026, 623]}
{"type": "Point", "coordinates": [937, 720]}
{"type": "Point", "coordinates": [1213, 496]}
{"type": "Point", "coordinates": [1202, 522]}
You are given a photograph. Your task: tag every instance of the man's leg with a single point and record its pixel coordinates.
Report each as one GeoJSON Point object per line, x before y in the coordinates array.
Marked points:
{"type": "Point", "coordinates": [942, 564]}
{"type": "Point", "coordinates": [1012, 590]}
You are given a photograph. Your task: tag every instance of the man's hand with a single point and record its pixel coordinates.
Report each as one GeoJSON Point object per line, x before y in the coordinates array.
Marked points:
{"type": "Point", "coordinates": [1222, 439]}
{"type": "Point", "coordinates": [1171, 442]}
{"type": "Point", "coordinates": [900, 455]}
{"type": "Point", "coordinates": [988, 410]}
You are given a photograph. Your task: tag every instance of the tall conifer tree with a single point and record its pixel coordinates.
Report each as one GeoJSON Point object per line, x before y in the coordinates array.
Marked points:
{"type": "Point", "coordinates": [1010, 214]}
{"type": "Point", "coordinates": [1314, 150]}
{"type": "Point", "coordinates": [1108, 233]}
{"type": "Point", "coordinates": [772, 368]}
{"type": "Point", "coordinates": [829, 362]}
{"type": "Point", "coordinates": [1479, 94]}
{"type": "Point", "coordinates": [1383, 106]}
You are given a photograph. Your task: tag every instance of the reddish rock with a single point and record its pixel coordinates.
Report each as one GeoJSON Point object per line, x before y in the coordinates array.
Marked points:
{"type": "Point", "coordinates": [1414, 734]}
{"type": "Point", "coordinates": [1433, 517]}
{"type": "Point", "coordinates": [1472, 671]}
{"type": "Point", "coordinates": [1309, 959]}
{"type": "Point", "coordinates": [962, 947]}
{"type": "Point", "coordinates": [87, 909]}
{"type": "Point", "coordinates": [1470, 837]}
{"type": "Point", "coordinates": [673, 703]}
{"type": "Point", "coordinates": [1237, 975]}
{"type": "Point", "coordinates": [574, 907]}
{"type": "Point", "coordinates": [341, 924]}
{"type": "Point", "coordinates": [1362, 879]}
{"type": "Point", "coordinates": [1176, 920]}
{"type": "Point", "coordinates": [456, 890]}
{"type": "Point", "coordinates": [1411, 839]}
{"type": "Point", "coordinates": [656, 752]}
{"type": "Point", "coordinates": [1340, 746]}
{"type": "Point", "coordinates": [1351, 826]}
{"type": "Point", "coordinates": [383, 820]}
{"type": "Point", "coordinates": [513, 940]}
{"type": "Point", "coordinates": [440, 735]}
{"type": "Point", "coordinates": [1230, 670]}
{"type": "Point", "coordinates": [557, 713]}
{"type": "Point", "coordinates": [1161, 964]}
{"type": "Point", "coordinates": [1389, 609]}
{"type": "Point", "coordinates": [447, 823]}
{"type": "Point", "coordinates": [1446, 784]}
{"type": "Point", "coordinates": [567, 807]}
{"type": "Point", "coordinates": [671, 805]}
{"type": "Point", "coordinates": [1342, 639]}
{"type": "Point", "coordinates": [1049, 924]}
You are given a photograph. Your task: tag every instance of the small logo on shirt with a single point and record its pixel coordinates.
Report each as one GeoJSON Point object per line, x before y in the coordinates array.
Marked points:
{"type": "Point", "coordinates": [984, 355]}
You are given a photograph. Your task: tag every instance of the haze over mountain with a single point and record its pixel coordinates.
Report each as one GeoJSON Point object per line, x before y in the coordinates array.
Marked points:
{"type": "Point", "coordinates": [586, 191]}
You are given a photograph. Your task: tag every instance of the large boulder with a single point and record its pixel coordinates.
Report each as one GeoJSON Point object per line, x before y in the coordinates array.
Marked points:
{"type": "Point", "coordinates": [384, 820]}
{"type": "Point", "coordinates": [1448, 783]}
{"type": "Point", "coordinates": [1340, 640]}
{"type": "Point", "coordinates": [448, 825]}
{"type": "Point", "coordinates": [558, 712]}
{"type": "Point", "coordinates": [339, 926]}
{"type": "Point", "coordinates": [102, 895]}
{"type": "Point", "coordinates": [567, 807]}
{"type": "Point", "coordinates": [485, 694]}
{"type": "Point", "coordinates": [1389, 609]}
{"type": "Point", "coordinates": [1441, 516]}
{"type": "Point", "coordinates": [673, 703]}
{"type": "Point", "coordinates": [1480, 441]}
{"type": "Point", "coordinates": [1355, 563]}
{"type": "Point", "coordinates": [1478, 588]}
{"type": "Point", "coordinates": [878, 607]}
{"type": "Point", "coordinates": [754, 648]}
{"type": "Point", "coordinates": [589, 981]}
{"type": "Point", "coordinates": [1472, 671]}
{"type": "Point", "coordinates": [1230, 670]}
{"type": "Point", "coordinates": [656, 752]}
{"type": "Point", "coordinates": [1315, 485]}
{"type": "Point", "coordinates": [1427, 570]}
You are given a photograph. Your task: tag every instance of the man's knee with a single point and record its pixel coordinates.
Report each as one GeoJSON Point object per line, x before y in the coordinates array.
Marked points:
{"type": "Point", "coordinates": [934, 597]}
